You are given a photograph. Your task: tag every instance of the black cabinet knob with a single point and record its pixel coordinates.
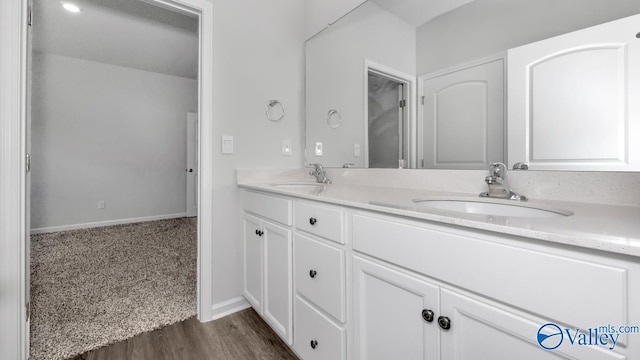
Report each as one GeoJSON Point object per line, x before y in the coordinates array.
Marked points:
{"type": "Point", "coordinates": [427, 315]}
{"type": "Point", "coordinates": [314, 343]}
{"type": "Point", "coordinates": [444, 322]}
{"type": "Point", "coordinates": [312, 273]}
{"type": "Point", "coordinates": [313, 221]}
{"type": "Point", "coordinates": [259, 233]}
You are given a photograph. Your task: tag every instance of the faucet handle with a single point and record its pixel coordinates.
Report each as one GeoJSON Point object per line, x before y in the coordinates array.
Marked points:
{"type": "Point", "coordinates": [497, 169]}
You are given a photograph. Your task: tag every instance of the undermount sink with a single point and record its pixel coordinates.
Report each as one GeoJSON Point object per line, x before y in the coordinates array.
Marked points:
{"type": "Point", "coordinates": [493, 208]}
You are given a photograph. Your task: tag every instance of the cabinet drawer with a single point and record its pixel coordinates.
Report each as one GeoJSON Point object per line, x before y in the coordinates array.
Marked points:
{"type": "Point", "coordinates": [315, 336]}
{"type": "Point", "coordinates": [559, 288]}
{"type": "Point", "coordinates": [320, 274]}
{"type": "Point", "coordinates": [267, 206]}
{"type": "Point", "coordinates": [320, 220]}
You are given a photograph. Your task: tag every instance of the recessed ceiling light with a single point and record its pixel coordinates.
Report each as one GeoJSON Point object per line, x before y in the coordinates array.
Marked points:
{"type": "Point", "coordinates": [70, 7]}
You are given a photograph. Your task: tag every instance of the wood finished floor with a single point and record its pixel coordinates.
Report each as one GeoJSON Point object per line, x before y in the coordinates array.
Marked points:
{"type": "Point", "coordinates": [240, 336]}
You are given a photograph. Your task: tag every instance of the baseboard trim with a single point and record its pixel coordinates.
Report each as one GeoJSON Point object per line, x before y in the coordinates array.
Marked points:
{"type": "Point", "coordinates": [229, 307]}
{"type": "Point", "coordinates": [53, 229]}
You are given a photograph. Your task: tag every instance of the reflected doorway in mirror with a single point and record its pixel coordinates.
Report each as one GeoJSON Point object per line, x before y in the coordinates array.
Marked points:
{"type": "Point", "coordinates": [389, 117]}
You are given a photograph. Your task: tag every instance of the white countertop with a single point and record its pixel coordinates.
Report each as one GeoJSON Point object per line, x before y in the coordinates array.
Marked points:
{"type": "Point", "coordinates": [610, 228]}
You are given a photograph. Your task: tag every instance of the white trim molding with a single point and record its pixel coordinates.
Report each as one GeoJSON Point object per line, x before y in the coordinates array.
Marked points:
{"type": "Point", "coordinates": [13, 232]}
{"type": "Point", "coordinates": [90, 225]}
{"type": "Point", "coordinates": [229, 307]}
{"type": "Point", "coordinates": [205, 158]}
{"type": "Point", "coordinates": [13, 284]}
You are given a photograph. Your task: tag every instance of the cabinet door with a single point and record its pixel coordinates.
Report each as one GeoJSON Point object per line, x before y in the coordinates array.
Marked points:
{"type": "Point", "coordinates": [388, 314]}
{"type": "Point", "coordinates": [252, 242]}
{"type": "Point", "coordinates": [480, 330]}
{"type": "Point", "coordinates": [278, 282]}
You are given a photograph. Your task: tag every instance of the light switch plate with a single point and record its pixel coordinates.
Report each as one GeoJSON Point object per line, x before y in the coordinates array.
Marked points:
{"type": "Point", "coordinates": [227, 144]}
{"type": "Point", "coordinates": [318, 149]}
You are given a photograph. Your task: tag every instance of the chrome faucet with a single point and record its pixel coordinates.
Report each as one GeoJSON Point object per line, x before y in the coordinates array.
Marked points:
{"type": "Point", "coordinates": [498, 185]}
{"type": "Point", "coordinates": [320, 174]}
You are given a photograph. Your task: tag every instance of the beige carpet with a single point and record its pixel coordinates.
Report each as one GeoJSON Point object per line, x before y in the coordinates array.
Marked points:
{"type": "Point", "coordinates": [93, 287]}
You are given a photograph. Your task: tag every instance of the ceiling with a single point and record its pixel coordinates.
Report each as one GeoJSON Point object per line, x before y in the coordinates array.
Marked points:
{"type": "Point", "coordinates": [418, 12]}
{"type": "Point", "coordinates": [127, 33]}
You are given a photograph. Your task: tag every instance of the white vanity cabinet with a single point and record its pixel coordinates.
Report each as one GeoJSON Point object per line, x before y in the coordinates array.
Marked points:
{"type": "Point", "coordinates": [400, 315]}
{"type": "Point", "coordinates": [489, 294]}
{"type": "Point", "coordinates": [267, 238]}
{"type": "Point", "coordinates": [394, 314]}
{"type": "Point", "coordinates": [319, 281]}
{"type": "Point", "coordinates": [344, 283]}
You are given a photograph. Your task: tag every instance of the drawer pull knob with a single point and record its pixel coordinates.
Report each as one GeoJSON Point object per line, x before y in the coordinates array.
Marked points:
{"type": "Point", "coordinates": [313, 221]}
{"type": "Point", "coordinates": [312, 273]}
{"type": "Point", "coordinates": [444, 322]}
{"type": "Point", "coordinates": [259, 233]}
{"type": "Point", "coordinates": [427, 315]}
{"type": "Point", "coordinates": [314, 343]}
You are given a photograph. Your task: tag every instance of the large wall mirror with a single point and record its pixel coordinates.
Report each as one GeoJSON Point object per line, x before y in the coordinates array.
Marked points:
{"type": "Point", "coordinates": [424, 83]}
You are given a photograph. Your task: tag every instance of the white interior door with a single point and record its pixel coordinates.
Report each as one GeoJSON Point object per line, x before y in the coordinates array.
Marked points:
{"type": "Point", "coordinates": [573, 100]}
{"type": "Point", "coordinates": [192, 164]}
{"type": "Point", "coordinates": [463, 117]}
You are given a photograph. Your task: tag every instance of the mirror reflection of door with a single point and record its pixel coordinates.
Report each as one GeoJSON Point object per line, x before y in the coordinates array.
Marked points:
{"type": "Point", "coordinates": [462, 124]}
{"type": "Point", "coordinates": [386, 121]}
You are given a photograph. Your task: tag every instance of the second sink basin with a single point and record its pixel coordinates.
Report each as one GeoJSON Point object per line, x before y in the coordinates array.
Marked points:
{"type": "Point", "coordinates": [492, 207]}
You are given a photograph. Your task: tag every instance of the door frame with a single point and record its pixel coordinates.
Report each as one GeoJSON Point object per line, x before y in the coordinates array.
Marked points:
{"type": "Point", "coordinates": [13, 231]}
{"type": "Point", "coordinates": [411, 92]}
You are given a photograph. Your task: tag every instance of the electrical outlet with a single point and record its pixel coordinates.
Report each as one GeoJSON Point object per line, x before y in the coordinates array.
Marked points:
{"type": "Point", "coordinates": [318, 149]}
{"type": "Point", "coordinates": [102, 205]}
{"type": "Point", "coordinates": [286, 147]}
{"type": "Point", "coordinates": [356, 149]}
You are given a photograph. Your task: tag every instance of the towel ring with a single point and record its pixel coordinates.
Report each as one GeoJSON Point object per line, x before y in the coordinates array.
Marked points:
{"type": "Point", "coordinates": [334, 119]}
{"type": "Point", "coordinates": [275, 110]}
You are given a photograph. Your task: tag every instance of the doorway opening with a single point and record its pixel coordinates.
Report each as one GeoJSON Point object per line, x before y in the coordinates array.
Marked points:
{"type": "Point", "coordinates": [104, 119]}
{"type": "Point", "coordinates": [389, 117]}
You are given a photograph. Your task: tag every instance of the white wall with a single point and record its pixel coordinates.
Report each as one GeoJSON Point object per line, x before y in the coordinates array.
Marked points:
{"type": "Point", "coordinates": [104, 132]}
{"type": "Point", "coordinates": [487, 27]}
{"type": "Point", "coordinates": [258, 56]}
{"type": "Point", "coordinates": [321, 13]}
{"type": "Point", "coordinates": [335, 77]}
